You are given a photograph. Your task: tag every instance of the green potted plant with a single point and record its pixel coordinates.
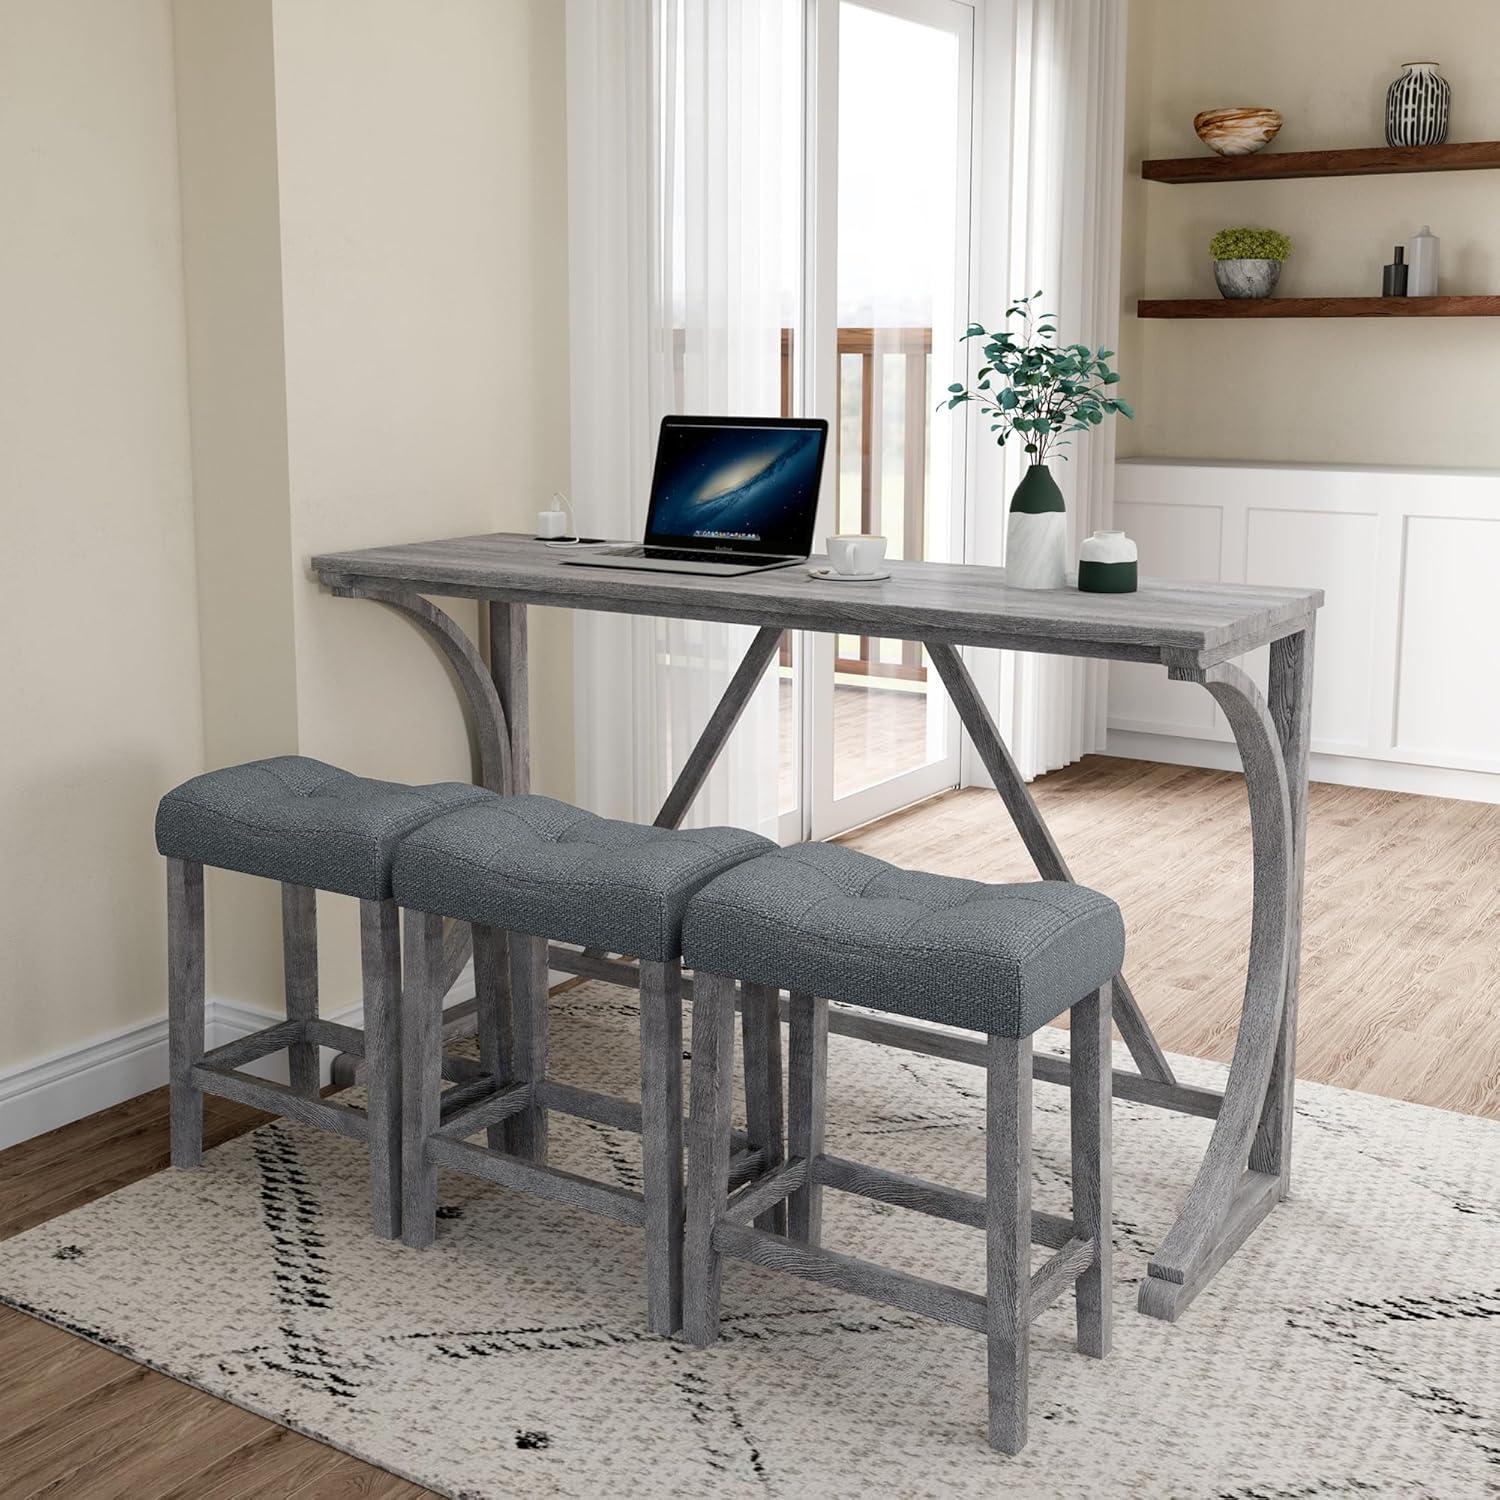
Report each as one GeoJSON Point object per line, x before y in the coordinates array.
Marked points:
{"type": "Point", "coordinates": [1043, 391]}
{"type": "Point", "coordinates": [1247, 262]}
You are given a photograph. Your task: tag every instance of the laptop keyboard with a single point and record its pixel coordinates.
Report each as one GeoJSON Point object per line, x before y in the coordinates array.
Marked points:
{"type": "Point", "coordinates": [682, 554]}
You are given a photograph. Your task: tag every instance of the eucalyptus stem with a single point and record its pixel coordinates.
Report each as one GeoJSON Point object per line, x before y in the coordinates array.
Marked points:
{"type": "Point", "coordinates": [1030, 385]}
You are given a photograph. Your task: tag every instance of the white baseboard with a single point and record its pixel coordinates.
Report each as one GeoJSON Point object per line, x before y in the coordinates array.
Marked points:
{"type": "Point", "coordinates": [36, 1097]}
{"type": "Point", "coordinates": [39, 1096]}
{"type": "Point", "coordinates": [1341, 770]}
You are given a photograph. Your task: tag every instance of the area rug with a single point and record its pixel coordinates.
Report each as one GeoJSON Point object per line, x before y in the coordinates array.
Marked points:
{"type": "Point", "coordinates": [1352, 1347]}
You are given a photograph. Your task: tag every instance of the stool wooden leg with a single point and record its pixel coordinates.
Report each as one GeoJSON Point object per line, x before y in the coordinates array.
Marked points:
{"type": "Point", "coordinates": [528, 992]}
{"type": "Point", "coordinates": [185, 1006]}
{"type": "Point", "coordinates": [380, 961]}
{"type": "Point", "coordinates": [661, 1140]}
{"type": "Point", "coordinates": [299, 954]}
{"type": "Point", "coordinates": [421, 1072]}
{"type": "Point", "coordinates": [761, 1007]}
{"type": "Point", "coordinates": [708, 1152]}
{"type": "Point", "coordinates": [1091, 1082]}
{"type": "Point", "coordinates": [493, 1014]}
{"type": "Point", "coordinates": [807, 1088]}
{"type": "Point", "coordinates": [1008, 1179]}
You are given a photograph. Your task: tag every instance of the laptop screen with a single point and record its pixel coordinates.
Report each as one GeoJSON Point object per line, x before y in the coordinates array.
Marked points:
{"type": "Point", "coordinates": [744, 484]}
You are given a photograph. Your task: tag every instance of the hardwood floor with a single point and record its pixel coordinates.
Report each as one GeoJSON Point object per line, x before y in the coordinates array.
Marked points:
{"type": "Point", "coordinates": [79, 1421]}
{"type": "Point", "coordinates": [1400, 996]}
{"type": "Point", "coordinates": [1400, 989]}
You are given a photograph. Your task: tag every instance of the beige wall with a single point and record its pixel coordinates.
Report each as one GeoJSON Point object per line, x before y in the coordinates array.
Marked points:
{"type": "Point", "coordinates": [275, 277]}
{"type": "Point", "coordinates": [99, 700]}
{"type": "Point", "coordinates": [421, 218]}
{"type": "Point", "coordinates": [1360, 390]}
{"type": "Point", "coordinates": [372, 193]}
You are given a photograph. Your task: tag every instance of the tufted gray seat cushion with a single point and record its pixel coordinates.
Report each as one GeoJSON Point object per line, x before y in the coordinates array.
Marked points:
{"type": "Point", "coordinates": [536, 865]}
{"type": "Point", "coordinates": [298, 820]}
{"type": "Point", "coordinates": [830, 921]}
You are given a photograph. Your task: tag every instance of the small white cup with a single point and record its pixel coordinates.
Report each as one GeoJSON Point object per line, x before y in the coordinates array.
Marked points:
{"type": "Point", "coordinates": [551, 523]}
{"type": "Point", "coordinates": [856, 553]}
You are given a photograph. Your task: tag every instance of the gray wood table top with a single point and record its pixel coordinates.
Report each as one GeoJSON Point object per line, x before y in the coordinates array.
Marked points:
{"type": "Point", "coordinates": [1176, 623]}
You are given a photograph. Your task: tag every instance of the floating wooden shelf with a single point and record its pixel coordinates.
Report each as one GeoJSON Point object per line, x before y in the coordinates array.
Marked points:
{"type": "Point", "coordinates": [1368, 161]}
{"type": "Point", "coordinates": [1319, 307]}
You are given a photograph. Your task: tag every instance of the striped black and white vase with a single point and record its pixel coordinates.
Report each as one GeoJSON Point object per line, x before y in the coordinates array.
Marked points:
{"type": "Point", "coordinates": [1416, 107]}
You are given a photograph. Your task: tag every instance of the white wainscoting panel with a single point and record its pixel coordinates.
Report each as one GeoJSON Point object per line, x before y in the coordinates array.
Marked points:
{"type": "Point", "coordinates": [1142, 697]}
{"type": "Point", "coordinates": [1448, 693]}
{"type": "Point", "coordinates": [1409, 638]}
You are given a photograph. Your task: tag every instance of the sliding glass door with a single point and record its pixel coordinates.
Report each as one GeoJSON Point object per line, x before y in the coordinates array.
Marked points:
{"type": "Point", "coordinates": [867, 727]}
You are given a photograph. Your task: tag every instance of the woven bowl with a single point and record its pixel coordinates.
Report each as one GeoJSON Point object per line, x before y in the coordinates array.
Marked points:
{"type": "Point", "coordinates": [1236, 132]}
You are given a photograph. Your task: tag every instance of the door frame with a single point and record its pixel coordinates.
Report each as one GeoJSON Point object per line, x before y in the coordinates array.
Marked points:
{"type": "Point", "coordinates": [819, 814]}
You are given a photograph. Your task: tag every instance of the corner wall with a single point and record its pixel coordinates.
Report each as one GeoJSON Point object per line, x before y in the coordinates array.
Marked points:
{"type": "Point", "coordinates": [99, 679]}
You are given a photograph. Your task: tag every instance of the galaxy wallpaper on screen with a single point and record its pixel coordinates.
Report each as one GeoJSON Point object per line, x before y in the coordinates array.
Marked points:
{"type": "Point", "coordinates": [738, 485]}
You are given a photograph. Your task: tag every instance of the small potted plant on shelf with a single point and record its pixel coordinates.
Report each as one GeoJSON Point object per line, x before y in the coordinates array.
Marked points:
{"type": "Point", "coordinates": [1247, 262]}
{"type": "Point", "coordinates": [1031, 385]}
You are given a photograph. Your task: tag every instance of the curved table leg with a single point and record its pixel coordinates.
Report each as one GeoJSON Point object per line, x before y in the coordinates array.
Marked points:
{"type": "Point", "coordinates": [490, 727]}
{"type": "Point", "coordinates": [499, 764]}
{"type": "Point", "coordinates": [1230, 1195]}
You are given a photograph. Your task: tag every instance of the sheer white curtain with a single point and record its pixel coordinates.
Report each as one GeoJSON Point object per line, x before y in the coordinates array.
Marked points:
{"type": "Point", "coordinates": [675, 248]}
{"type": "Point", "coordinates": [1055, 139]}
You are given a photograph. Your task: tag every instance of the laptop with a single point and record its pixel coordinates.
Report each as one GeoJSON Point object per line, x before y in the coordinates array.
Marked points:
{"type": "Point", "coordinates": [729, 495]}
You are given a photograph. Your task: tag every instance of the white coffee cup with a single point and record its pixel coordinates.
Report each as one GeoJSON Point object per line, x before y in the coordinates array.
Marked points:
{"type": "Point", "coordinates": [856, 553]}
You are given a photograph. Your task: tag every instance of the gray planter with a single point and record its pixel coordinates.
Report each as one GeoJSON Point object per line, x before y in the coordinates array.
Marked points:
{"type": "Point", "coordinates": [1247, 278]}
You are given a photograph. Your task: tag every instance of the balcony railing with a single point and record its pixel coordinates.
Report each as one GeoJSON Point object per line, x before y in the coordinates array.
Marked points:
{"type": "Point", "coordinates": [874, 364]}
{"type": "Point", "coordinates": [874, 496]}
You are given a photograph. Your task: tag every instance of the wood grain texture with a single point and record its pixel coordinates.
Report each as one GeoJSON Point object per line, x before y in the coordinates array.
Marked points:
{"type": "Point", "coordinates": [755, 1197]}
{"type": "Point", "coordinates": [760, 1015]}
{"type": "Point", "coordinates": [661, 1141]}
{"type": "Point", "coordinates": [421, 1072]}
{"type": "Point", "coordinates": [299, 955]}
{"type": "Point", "coordinates": [1007, 1154]}
{"type": "Point", "coordinates": [933, 1198]}
{"type": "Point", "coordinates": [380, 963]}
{"type": "Point", "coordinates": [807, 1107]}
{"type": "Point", "coordinates": [1318, 307]}
{"type": "Point", "coordinates": [1399, 991]}
{"type": "Point", "coordinates": [595, 1197]}
{"type": "Point", "coordinates": [860, 1278]}
{"type": "Point", "coordinates": [162, 1438]}
{"type": "Point", "coordinates": [1362, 161]}
{"type": "Point", "coordinates": [1208, 1202]}
{"type": "Point", "coordinates": [279, 1099]}
{"type": "Point", "coordinates": [959, 603]}
{"type": "Point", "coordinates": [185, 999]}
{"type": "Point", "coordinates": [529, 1019]}
{"type": "Point", "coordinates": [708, 1155]}
{"type": "Point", "coordinates": [1060, 1271]}
{"type": "Point", "coordinates": [1089, 1110]}
{"type": "Point", "coordinates": [1289, 698]}
{"type": "Point", "coordinates": [494, 1023]}
{"type": "Point", "coordinates": [509, 673]}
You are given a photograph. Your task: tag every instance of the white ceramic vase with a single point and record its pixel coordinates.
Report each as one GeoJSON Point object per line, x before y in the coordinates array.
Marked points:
{"type": "Point", "coordinates": [1036, 550]}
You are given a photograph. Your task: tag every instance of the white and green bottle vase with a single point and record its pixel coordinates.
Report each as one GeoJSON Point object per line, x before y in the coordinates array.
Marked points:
{"type": "Point", "coordinates": [1107, 564]}
{"type": "Point", "coordinates": [1036, 538]}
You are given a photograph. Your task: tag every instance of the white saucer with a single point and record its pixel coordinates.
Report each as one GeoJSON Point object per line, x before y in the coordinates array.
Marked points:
{"type": "Point", "coordinates": [838, 577]}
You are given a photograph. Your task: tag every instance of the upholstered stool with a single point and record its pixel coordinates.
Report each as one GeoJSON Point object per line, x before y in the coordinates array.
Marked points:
{"type": "Point", "coordinates": [825, 922]}
{"type": "Point", "coordinates": [522, 870]}
{"type": "Point", "coordinates": [314, 828]}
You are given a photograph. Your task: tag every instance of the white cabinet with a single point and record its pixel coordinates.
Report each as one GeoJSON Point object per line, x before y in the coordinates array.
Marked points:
{"type": "Point", "coordinates": [1407, 687]}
